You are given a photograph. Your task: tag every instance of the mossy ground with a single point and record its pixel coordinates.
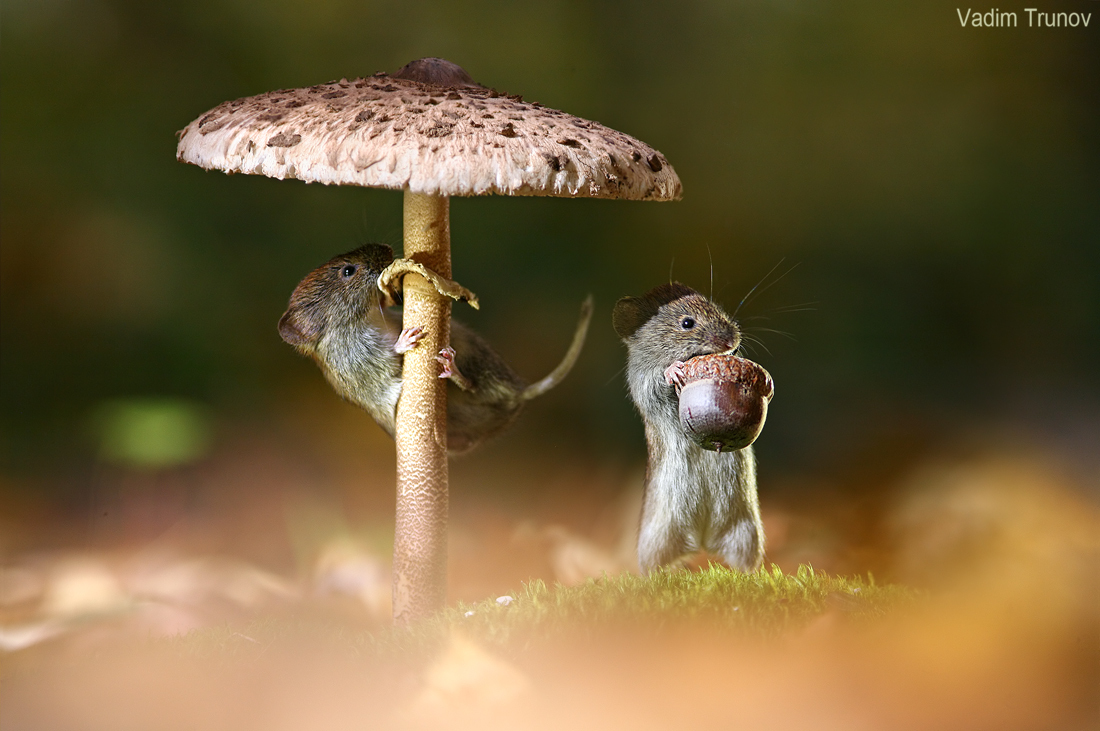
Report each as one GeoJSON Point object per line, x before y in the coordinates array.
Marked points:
{"type": "Point", "coordinates": [766, 603]}
{"type": "Point", "coordinates": [711, 648]}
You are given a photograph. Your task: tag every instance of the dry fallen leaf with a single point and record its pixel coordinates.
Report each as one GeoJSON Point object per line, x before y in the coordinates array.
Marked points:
{"type": "Point", "coordinates": [466, 679]}
{"type": "Point", "coordinates": [80, 587]}
{"type": "Point", "coordinates": [344, 567]}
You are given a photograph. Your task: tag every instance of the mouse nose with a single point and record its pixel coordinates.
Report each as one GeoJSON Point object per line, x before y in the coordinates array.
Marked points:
{"type": "Point", "coordinates": [725, 343]}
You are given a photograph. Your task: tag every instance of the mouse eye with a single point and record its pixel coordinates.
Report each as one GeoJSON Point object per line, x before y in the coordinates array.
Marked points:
{"type": "Point", "coordinates": [687, 323]}
{"type": "Point", "coordinates": [348, 271]}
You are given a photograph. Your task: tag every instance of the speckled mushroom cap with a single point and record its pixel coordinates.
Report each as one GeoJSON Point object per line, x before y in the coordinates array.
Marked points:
{"type": "Point", "coordinates": [428, 128]}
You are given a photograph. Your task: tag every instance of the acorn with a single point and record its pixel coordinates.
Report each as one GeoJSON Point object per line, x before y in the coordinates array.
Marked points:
{"type": "Point", "coordinates": [724, 401]}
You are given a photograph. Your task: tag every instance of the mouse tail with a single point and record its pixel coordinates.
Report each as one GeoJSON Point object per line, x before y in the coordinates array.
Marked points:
{"type": "Point", "coordinates": [559, 373]}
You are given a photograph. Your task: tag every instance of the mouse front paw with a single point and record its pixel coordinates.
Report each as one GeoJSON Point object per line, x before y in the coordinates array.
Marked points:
{"type": "Point", "coordinates": [408, 339]}
{"type": "Point", "coordinates": [675, 376]}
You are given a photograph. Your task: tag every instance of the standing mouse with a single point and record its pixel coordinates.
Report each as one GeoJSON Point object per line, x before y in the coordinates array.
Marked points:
{"type": "Point", "coordinates": [694, 498]}
{"type": "Point", "coordinates": [338, 316]}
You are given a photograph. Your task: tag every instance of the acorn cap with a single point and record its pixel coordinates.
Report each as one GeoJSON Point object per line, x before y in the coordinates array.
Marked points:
{"type": "Point", "coordinates": [428, 128]}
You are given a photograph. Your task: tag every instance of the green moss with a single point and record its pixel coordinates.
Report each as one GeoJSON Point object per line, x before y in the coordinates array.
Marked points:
{"type": "Point", "coordinates": [766, 603]}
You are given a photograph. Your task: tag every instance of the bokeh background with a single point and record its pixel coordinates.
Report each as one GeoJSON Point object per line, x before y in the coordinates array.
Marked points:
{"type": "Point", "coordinates": [908, 209]}
{"type": "Point", "coordinates": [904, 212]}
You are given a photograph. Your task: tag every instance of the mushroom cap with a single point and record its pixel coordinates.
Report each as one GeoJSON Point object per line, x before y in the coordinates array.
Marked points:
{"type": "Point", "coordinates": [428, 128]}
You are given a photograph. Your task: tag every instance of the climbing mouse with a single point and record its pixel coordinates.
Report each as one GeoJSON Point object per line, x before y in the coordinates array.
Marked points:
{"type": "Point", "coordinates": [694, 498]}
{"type": "Point", "coordinates": [339, 317]}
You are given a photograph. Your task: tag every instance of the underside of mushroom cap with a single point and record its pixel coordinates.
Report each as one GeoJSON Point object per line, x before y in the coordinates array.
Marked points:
{"type": "Point", "coordinates": [428, 129]}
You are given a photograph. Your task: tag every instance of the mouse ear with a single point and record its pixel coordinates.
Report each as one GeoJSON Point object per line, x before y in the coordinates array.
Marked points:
{"type": "Point", "coordinates": [297, 330]}
{"type": "Point", "coordinates": [662, 294]}
{"type": "Point", "coordinates": [630, 313]}
{"type": "Point", "coordinates": [376, 256]}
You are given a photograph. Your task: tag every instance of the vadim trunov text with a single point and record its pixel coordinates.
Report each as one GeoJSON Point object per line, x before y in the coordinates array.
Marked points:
{"type": "Point", "coordinates": [1036, 18]}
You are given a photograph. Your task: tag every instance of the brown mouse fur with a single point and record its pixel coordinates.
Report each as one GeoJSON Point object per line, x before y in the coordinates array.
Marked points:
{"type": "Point", "coordinates": [338, 317]}
{"type": "Point", "coordinates": [694, 499]}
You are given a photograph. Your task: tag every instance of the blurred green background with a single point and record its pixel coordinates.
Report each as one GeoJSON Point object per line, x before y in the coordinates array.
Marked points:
{"type": "Point", "coordinates": [920, 201]}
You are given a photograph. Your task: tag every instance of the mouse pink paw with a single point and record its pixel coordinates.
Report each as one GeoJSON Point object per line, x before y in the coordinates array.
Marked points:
{"type": "Point", "coordinates": [408, 339]}
{"type": "Point", "coordinates": [675, 376]}
{"type": "Point", "coordinates": [446, 358]}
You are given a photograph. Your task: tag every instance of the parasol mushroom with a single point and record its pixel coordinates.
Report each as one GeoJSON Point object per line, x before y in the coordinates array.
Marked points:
{"type": "Point", "coordinates": [431, 131]}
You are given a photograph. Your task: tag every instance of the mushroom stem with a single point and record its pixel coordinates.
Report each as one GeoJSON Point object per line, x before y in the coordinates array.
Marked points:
{"type": "Point", "coordinates": [420, 533]}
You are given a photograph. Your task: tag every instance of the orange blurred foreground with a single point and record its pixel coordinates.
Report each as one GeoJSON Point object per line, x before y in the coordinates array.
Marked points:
{"type": "Point", "coordinates": [1006, 639]}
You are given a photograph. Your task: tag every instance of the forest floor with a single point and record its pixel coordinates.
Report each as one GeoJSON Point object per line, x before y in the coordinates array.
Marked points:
{"type": "Point", "coordinates": [240, 599]}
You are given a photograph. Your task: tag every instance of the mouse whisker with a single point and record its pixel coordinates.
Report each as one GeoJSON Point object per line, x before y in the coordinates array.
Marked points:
{"type": "Point", "coordinates": [773, 330]}
{"type": "Point", "coordinates": [804, 307]}
{"type": "Point", "coordinates": [758, 342]}
{"type": "Point", "coordinates": [710, 258]}
{"type": "Point", "coordinates": [751, 296]}
{"type": "Point", "coordinates": [753, 346]}
{"type": "Point", "coordinates": [749, 337]}
{"type": "Point", "coordinates": [777, 332]}
{"type": "Point", "coordinates": [615, 376]}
